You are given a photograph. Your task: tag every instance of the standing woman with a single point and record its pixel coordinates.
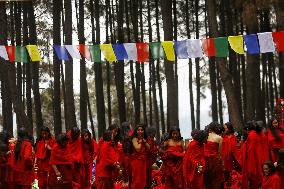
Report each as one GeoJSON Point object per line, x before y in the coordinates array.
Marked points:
{"type": "Point", "coordinates": [43, 148]}
{"type": "Point", "coordinates": [213, 176]}
{"type": "Point", "coordinates": [61, 171]}
{"type": "Point", "coordinates": [138, 158]}
{"type": "Point", "coordinates": [172, 159]}
{"type": "Point", "coordinates": [275, 138]}
{"type": "Point", "coordinates": [271, 180]}
{"type": "Point", "coordinates": [24, 161]}
{"type": "Point", "coordinates": [194, 161]}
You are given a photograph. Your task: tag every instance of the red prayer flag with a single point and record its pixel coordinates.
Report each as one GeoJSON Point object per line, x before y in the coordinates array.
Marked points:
{"type": "Point", "coordinates": [278, 38]}
{"type": "Point", "coordinates": [142, 52]}
{"type": "Point", "coordinates": [85, 51]}
{"type": "Point", "coordinates": [11, 52]}
{"type": "Point", "coordinates": [208, 46]}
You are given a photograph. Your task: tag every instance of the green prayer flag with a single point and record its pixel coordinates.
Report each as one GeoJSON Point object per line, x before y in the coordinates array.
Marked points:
{"type": "Point", "coordinates": [95, 53]}
{"type": "Point", "coordinates": [221, 46]}
{"type": "Point", "coordinates": [157, 50]}
{"type": "Point", "coordinates": [21, 54]}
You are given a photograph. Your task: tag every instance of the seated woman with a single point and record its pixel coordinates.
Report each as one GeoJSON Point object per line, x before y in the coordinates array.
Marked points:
{"type": "Point", "coordinates": [61, 171]}
{"type": "Point", "coordinates": [271, 180]}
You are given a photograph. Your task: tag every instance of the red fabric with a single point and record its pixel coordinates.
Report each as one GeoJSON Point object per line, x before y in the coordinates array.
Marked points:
{"type": "Point", "coordinates": [66, 171]}
{"type": "Point", "coordinates": [194, 156]}
{"type": "Point", "coordinates": [172, 162]}
{"type": "Point", "coordinates": [11, 52]}
{"type": "Point", "coordinates": [213, 176]}
{"type": "Point", "coordinates": [60, 156]}
{"type": "Point", "coordinates": [104, 183]}
{"type": "Point", "coordinates": [40, 149]}
{"type": "Point", "coordinates": [88, 154]}
{"type": "Point", "coordinates": [84, 50]}
{"type": "Point", "coordinates": [23, 169]}
{"type": "Point", "coordinates": [243, 162]}
{"type": "Point", "coordinates": [229, 151]}
{"type": "Point", "coordinates": [138, 168]}
{"type": "Point", "coordinates": [107, 156]}
{"type": "Point", "coordinates": [209, 47]}
{"type": "Point", "coordinates": [278, 38]}
{"type": "Point", "coordinates": [275, 145]}
{"type": "Point", "coordinates": [150, 160]}
{"type": "Point", "coordinates": [271, 182]}
{"type": "Point", "coordinates": [75, 148]}
{"type": "Point", "coordinates": [142, 52]}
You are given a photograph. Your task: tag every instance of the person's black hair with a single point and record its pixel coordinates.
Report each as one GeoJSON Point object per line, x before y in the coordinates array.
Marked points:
{"type": "Point", "coordinates": [143, 126]}
{"type": "Point", "coordinates": [5, 136]}
{"type": "Point", "coordinates": [107, 136]}
{"type": "Point", "coordinates": [253, 125]}
{"type": "Point", "coordinates": [117, 137]}
{"type": "Point", "coordinates": [215, 127]}
{"type": "Point", "coordinates": [271, 167]}
{"type": "Point", "coordinates": [83, 132]}
{"type": "Point", "coordinates": [151, 131]}
{"type": "Point", "coordinates": [164, 138]}
{"type": "Point", "coordinates": [172, 129]}
{"type": "Point", "coordinates": [75, 133]}
{"type": "Point", "coordinates": [22, 135]}
{"type": "Point", "coordinates": [3, 148]}
{"type": "Point", "coordinates": [199, 135]}
{"type": "Point", "coordinates": [230, 127]}
{"type": "Point", "coordinates": [61, 138]}
{"type": "Point", "coordinates": [124, 130]}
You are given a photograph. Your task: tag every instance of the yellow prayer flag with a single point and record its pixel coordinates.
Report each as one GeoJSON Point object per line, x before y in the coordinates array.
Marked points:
{"type": "Point", "coordinates": [237, 43]}
{"type": "Point", "coordinates": [34, 53]}
{"type": "Point", "coordinates": [169, 50]}
{"type": "Point", "coordinates": [108, 52]}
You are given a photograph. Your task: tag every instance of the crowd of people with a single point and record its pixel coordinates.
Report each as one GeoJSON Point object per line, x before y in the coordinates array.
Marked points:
{"type": "Point", "coordinates": [126, 157]}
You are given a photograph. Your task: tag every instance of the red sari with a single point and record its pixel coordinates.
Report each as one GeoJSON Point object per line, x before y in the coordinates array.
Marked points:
{"type": "Point", "coordinates": [274, 144]}
{"type": "Point", "coordinates": [88, 154]}
{"type": "Point", "coordinates": [172, 167]}
{"type": "Point", "coordinates": [194, 156]}
{"type": "Point", "coordinates": [23, 169]}
{"type": "Point", "coordinates": [213, 176]}
{"type": "Point", "coordinates": [107, 156]}
{"type": "Point", "coordinates": [43, 156]}
{"type": "Point", "coordinates": [138, 168]}
{"type": "Point", "coordinates": [229, 151]}
{"type": "Point", "coordinates": [271, 182]}
{"type": "Point", "coordinates": [10, 163]}
{"type": "Point", "coordinates": [150, 160]}
{"type": "Point", "coordinates": [61, 157]}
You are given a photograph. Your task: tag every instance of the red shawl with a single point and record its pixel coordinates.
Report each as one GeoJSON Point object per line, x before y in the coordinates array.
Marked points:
{"type": "Point", "coordinates": [40, 149]}
{"type": "Point", "coordinates": [229, 151]}
{"type": "Point", "coordinates": [75, 148]}
{"type": "Point", "coordinates": [271, 182]}
{"type": "Point", "coordinates": [60, 156]}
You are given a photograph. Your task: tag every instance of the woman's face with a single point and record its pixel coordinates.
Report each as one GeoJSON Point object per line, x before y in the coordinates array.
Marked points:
{"type": "Point", "coordinates": [114, 132]}
{"type": "Point", "coordinates": [140, 132]}
{"type": "Point", "coordinates": [266, 170]}
{"type": "Point", "coordinates": [175, 135]}
{"type": "Point", "coordinates": [275, 123]}
{"type": "Point", "coordinates": [44, 134]}
{"type": "Point", "coordinates": [86, 137]}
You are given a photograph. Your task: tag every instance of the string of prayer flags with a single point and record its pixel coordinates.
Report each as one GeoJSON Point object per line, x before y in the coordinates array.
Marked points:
{"type": "Point", "coordinates": [34, 53]}
{"type": "Point", "coordinates": [266, 43]}
{"type": "Point", "coordinates": [84, 50]}
{"type": "Point", "coordinates": [73, 51]}
{"type": "Point", "coordinates": [237, 43]}
{"type": "Point", "coordinates": [169, 50]}
{"type": "Point", "coordinates": [108, 52]}
{"type": "Point", "coordinates": [208, 46]}
{"type": "Point", "coordinates": [142, 52]}
{"type": "Point", "coordinates": [131, 51]}
{"type": "Point", "coordinates": [181, 49]}
{"type": "Point", "coordinates": [120, 51]}
{"type": "Point", "coordinates": [21, 54]}
{"type": "Point", "coordinates": [95, 52]}
{"type": "Point", "coordinates": [221, 46]}
{"type": "Point", "coordinates": [194, 48]}
{"type": "Point", "coordinates": [252, 44]}
{"type": "Point", "coordinates": [11, 52]}
{"type": "Point", "coordinates": [278, 38]}
{"type": "Point", "coordinates": [61, 52]}
{"type": "Point", "coordinates": [3, 53]}
{"type": "Point", "coordinates": [156, 50]}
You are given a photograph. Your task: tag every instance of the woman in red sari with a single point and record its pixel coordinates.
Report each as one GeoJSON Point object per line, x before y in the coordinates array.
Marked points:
{"type": "Point", "coordinates": [138, 158]}
{"type": "Point", "coordinates": [172, 159]}
{"type": "Point", "coordinates": [275, 137]}
{"type": "Point", "coordinates": [61, 171]}
{"type": "Point", "coordinates": [271, 180]}
{"type": "Point", "coordinates": [194, 161]}
{"type": "Point", "coordinates": [107, 162]}
{"type": "Point", "coordinates": [213, 176]}
{"type": "Point", "coordinates": [43, 148]}
{"type": "Point", "coordinates": [24, 161]}
{"type": "Point", "coordinates": [280, 165]}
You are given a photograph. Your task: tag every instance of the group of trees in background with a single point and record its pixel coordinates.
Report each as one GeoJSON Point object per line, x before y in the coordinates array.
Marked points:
{"type": "Point", "coordinates": [123, 91]}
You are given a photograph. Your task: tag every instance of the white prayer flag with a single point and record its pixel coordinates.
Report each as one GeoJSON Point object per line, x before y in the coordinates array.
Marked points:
{"type": "Point", "coordinates": [266, 43]}
{"type": "Point", "coordinates": [194, 48]}
{"type": "Point", "coordinates": [73, 51]}
{"type": "Point", "coordinates": [3, 53]}
{"type": "Point", "coordinates": [131, 50]}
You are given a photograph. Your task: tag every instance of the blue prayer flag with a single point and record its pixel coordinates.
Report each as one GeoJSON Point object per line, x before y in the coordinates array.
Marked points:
{"type": "Point", "coordinates": [252, 45]}
{"type": "Point", "coordinates": [181, 49]}
{"type": "Point", "coordinates": [61, 52]}
{"type": "Point", "coordinates": [120, 51]}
